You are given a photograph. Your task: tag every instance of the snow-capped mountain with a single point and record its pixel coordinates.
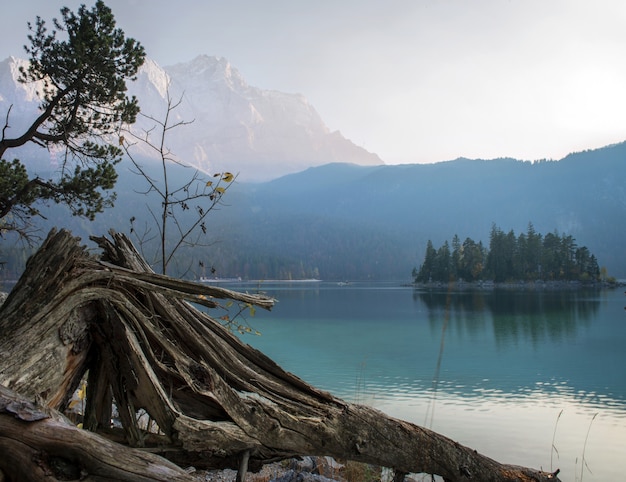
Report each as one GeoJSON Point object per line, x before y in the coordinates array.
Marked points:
{"type": "Point", "coordinates": [229, 125]}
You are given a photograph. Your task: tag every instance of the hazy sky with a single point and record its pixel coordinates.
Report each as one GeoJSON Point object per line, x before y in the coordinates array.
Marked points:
{"type": "Point", "coordinates": [412, 80]}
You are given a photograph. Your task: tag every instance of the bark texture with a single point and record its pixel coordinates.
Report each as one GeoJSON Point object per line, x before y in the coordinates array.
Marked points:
{"type": "Point", "coordinates": [214, 399]}
{"type": "Point", "coordinates": [39, 443]}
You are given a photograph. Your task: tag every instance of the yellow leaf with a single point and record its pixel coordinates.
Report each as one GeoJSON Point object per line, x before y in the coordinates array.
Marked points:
{"type": "Point", "coordinates": [221, 190]}
{"type": "Point", "coordinates": [209, 183]}
{"type": "Point", "coordinates": [228, 177]}
{"type": "Point", "coordinates": [82, 393]}
{"type": "Point", "coordinates": [252, 310]}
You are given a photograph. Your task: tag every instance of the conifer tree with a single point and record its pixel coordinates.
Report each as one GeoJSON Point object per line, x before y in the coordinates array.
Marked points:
{"type": "Point", "coordinates": [81, 81]}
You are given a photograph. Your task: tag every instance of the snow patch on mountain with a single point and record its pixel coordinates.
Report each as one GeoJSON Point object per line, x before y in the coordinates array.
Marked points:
{"type": "Point", "coordinates": [21, 99]}
{"type": "Point", "coordinates": [10, 89]}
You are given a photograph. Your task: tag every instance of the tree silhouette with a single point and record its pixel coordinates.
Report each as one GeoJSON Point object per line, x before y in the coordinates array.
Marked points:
{"type": "Point", "coordinates": [81, 81]}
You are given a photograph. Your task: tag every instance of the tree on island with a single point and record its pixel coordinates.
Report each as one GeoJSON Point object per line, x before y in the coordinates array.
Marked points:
{"type": "Point", "coordinates": [528, 257]}
{"type": "Point", "coordinates": [82, 86]}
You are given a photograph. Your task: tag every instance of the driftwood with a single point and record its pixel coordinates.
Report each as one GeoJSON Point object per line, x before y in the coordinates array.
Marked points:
{"type": "Point", "coordinates": [39, 443]}
{"type": "Point", "coordinates": [217, 402]}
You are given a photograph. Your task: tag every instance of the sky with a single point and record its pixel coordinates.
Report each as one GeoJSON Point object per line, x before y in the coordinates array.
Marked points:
{"type": "Point", "coordinates": [414, 81]}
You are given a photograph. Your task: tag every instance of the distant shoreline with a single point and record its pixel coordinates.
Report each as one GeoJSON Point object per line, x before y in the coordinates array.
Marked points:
{"type": "Point", "coordinates": [527, 285]}
{"type": "Point", "coordinates": [257, 281]}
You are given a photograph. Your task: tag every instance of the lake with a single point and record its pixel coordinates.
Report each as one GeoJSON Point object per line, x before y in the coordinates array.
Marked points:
{"type": "Point", "coordinates": [535, 378]}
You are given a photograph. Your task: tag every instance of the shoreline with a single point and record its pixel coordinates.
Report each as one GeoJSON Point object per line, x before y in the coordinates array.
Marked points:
{"type": "Point", "coordinates": [538, 285]}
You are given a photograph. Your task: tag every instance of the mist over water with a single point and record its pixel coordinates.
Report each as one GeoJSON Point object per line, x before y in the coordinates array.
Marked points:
{"type": "Point", "coordinates": [501, 371]}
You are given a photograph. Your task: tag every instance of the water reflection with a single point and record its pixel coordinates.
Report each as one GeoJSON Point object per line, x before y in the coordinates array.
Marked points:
{"type": "Point", "coordinates": [492, 369]}
{"type": "Point", "coordinates": [520, 429]}
{"type": "Point", "coordinates": [534, 315]}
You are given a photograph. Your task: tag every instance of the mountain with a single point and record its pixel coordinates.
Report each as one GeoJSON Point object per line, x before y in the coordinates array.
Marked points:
{"type": "Point", "coordinates": [230, 125]}
{"type": "Point", "coordinates": [349, 222]}
{"type": "Point", "coordinates": [374, 222]}
{"type": "Point", "coordinates": [339, 220]}
{"type": "Point", "coordinates": [22, 99]}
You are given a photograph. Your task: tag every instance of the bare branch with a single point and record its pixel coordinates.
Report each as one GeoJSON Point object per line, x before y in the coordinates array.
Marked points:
{"type": "Point", "coordinates": [205, 194]}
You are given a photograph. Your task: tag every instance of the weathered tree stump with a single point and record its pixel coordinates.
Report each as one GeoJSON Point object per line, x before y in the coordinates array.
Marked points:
{"type": "Point", "coordinates": [216, 400]}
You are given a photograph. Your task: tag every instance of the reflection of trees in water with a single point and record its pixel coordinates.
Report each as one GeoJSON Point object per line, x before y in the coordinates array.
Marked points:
{"type": "Point", "coordinates": [528, 314]}
{"type": "Point", "coordinates": [555, 315]}
{"type": "Point", "coordinates": [463, 307]}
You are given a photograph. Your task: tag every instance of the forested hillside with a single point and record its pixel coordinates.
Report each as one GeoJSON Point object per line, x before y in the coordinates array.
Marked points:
{"type": "Point", "coordinates": [341, 221]}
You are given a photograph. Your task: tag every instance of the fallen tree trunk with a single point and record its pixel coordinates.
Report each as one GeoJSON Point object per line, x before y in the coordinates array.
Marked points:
{"type": "Point", "coordinates": [214, 399]}
{"type": "Point", "coordinates": [37, 442]}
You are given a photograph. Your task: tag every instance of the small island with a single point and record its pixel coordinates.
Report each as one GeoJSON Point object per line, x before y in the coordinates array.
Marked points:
{"type": "Point", "coordinates": [528, 259]}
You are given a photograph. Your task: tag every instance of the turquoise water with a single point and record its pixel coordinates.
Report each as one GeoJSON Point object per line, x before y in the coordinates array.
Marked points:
{"type": "Point", "coordinates": [501, 371]}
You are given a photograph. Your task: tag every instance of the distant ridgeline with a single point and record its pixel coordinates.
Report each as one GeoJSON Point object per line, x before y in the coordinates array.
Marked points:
{"type": "Point", "coordinates": [528, 257]}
